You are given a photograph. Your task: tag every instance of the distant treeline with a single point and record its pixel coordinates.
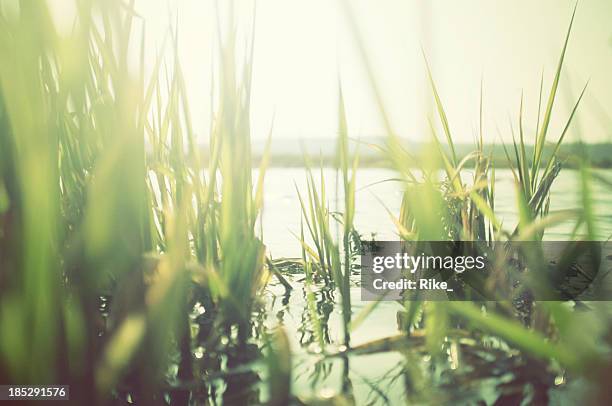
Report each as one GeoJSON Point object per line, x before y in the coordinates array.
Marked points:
{"type": "Point", "coordinates": [596, 155]}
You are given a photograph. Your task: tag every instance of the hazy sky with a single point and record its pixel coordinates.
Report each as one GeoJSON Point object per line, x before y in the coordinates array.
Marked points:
{"type": "Point", "coordinates": [302, 47]}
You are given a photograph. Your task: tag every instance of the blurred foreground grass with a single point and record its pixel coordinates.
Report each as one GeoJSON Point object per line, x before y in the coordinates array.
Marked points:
{"type": "Point", "coordinates": [90, 225]}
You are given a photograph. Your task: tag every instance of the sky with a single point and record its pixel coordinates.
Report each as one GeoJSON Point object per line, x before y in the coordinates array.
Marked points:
{"type": "Point", "coordinates": [305, 49]}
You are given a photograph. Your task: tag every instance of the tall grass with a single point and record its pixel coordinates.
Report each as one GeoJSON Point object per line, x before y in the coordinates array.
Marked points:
{"type": "Point", "coordinates": [89, 211]}
{"type": "Point", "coordinates": [449, 209]}
{"type": "Point", "coordinates": [317, 216]}
{"type": "Point", "coordinates": [72, 117]}
{"type": "Point", "coordinates": [132, 265]}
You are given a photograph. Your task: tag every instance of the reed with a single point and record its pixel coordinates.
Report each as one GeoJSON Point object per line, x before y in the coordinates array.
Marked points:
{"type": "Point", "coordinates": [133, 265]}
{"type": "Point", "coordinates": [88, 211]}
{"type": "Point", "coordinates": [444, 207]}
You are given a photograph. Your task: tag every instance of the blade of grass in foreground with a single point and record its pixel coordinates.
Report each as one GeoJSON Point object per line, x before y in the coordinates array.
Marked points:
{"type": "Point", "coordinates": [441, 113]}
{"type": "Point", "coordinates": [514, 332]}
{"type": "Point", "coordinates": [541, 138]}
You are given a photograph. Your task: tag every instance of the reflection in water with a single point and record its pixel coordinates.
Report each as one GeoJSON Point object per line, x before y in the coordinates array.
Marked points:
{"type": "Point", "coordinates": [323, 297]}
{"type": "Point", "coordinates": [391, 370]}
{"type": "Point", "coordinates": [241, 388]}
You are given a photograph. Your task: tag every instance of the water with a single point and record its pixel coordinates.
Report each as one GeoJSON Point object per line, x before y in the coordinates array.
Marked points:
{"type": "Point", "coordinates": [382, 377]}
{"type": "Point", "coordinates": [281, 218]}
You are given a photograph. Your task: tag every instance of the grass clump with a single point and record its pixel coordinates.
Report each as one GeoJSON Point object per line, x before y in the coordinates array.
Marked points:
{"type": "Point", "coordinates": [107, 203]}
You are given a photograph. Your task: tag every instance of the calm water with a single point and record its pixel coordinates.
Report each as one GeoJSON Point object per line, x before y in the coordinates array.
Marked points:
{"type": "Point", "coordinates": [378, 378]}
{"type": "Point", "coordinates": [282, 208]}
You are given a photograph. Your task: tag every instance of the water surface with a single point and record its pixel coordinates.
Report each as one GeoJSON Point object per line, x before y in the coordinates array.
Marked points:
{"type": "Point", "coordinates": [382, 378]}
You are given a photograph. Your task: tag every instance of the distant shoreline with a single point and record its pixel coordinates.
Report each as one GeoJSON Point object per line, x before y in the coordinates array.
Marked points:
{"type": "Point", "coordinates": [288, 153]}
{"type": "Point", "coordinates": [297, 161]}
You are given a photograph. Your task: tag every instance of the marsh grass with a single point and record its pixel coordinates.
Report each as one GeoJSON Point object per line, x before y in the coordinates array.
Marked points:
{"type": "Point", "coordinates": [132, 264]}
{"type": "Point", "coordinates": [88, 211]}
{"type": "Point", "coordinates": [317, 216]}
{"type": "Point", "coordinates": [435, 209]}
